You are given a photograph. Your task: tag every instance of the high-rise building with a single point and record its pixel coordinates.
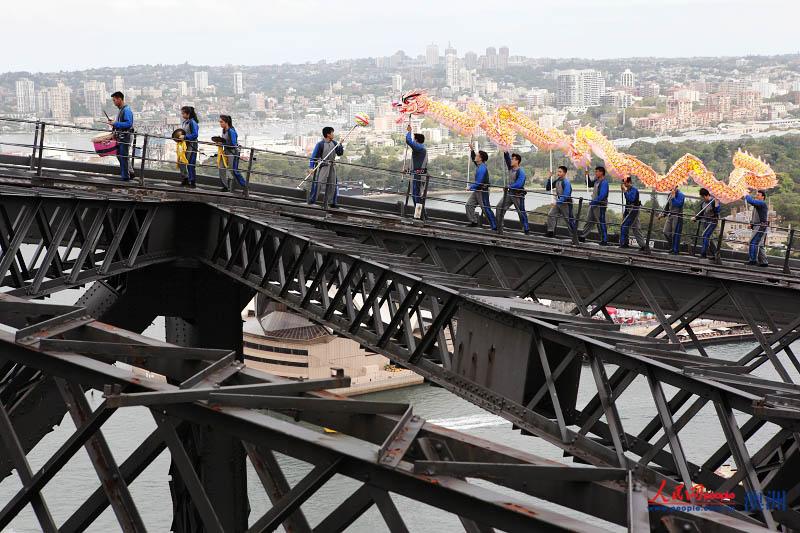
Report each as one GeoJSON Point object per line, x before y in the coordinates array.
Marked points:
{"type": "Point", "coordinates": [734, 88]}
{"type": "Point", "coordinates": [397, 83]}
{"type": "Point", "coordinates": [619, 99]}
{"type": "Point", "coordinates": [183, 88]}
{"type": "Point", "coordinates": [491, 58]}
{"type": "Point", "coordinates": [257, 101]}
{"type": "Point", "coordinates": [466, 80]}
{"type": "Point", "coordinates": [502, 58]}
{"type": "Point", "coordinates": [451, 67]}
{"type": "Point", "coordinates": [681, 109]}
{"type": "Point", "coordinates": [26, 97]}
{"type": "Point", "coordinates": [238, 83]}
{"type": "Point", "coordinates": [594, 86]}
{"type": "Point", "coordinates": [451, 71]}
{"type": "Point", "coordinates": [569, 89]}
{"type": "Point", "coordinates": [471, 60]}
{"type": "Point", "coordinates": [719, 103]}
{"type": "Point", "coordinates": [118, 84]}
{"type": "Point", "coordinates": [94, 96]}
{"type": "Point", "coordinates": [60, 102]}
{"type": "Point", "coordinates": [432, 55]}
{"type": "Point", "coordinates": [201, 80]}
{"type": "Point", "coordinates": [42, 104]}
{"type": "Point", "coordinates": [579, 88]}
{"type": "Point", "coordinates": [536, 97]}
{"type": "Point", "coordinates": [627, 78]}
{"type": "Point", "coordinates": [765, 88]}
{"type": "Point", "coordinates": [650, 90]}
{"type": "Point", "coordinates": [396, 59]}
{"type": "Point", "coordinates": [54, 102]}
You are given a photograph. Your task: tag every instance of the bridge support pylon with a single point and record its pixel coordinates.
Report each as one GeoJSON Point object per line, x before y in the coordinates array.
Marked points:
{"type": "Point", "coordinates": [201, 309]}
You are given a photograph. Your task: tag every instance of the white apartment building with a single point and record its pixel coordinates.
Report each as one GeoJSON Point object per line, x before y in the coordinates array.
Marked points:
{"type": "Point", "coordinates": [26, 96]}
{"type": "Point", "coordinates": [579, 88]}
{"type": "Point", "coordinates": [201, 80]}
{"type": "Point", "coordinates": [238, 83]}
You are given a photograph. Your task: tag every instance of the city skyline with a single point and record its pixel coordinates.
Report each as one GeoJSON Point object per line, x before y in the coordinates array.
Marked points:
{"type": "Point", "coordinates": [465, 56]}
{"type": "Point", "coordinates": [161, 32]}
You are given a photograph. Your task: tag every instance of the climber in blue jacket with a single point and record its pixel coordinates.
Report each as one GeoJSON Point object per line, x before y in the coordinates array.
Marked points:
{"type": "Point", "coordinates": [122, 128]}
{"type": "Point", "coordinates": [597, 206]}
{"type": "Point", "coordinates": [514, 192]}
{"type": "Point", "coordinates": [419, 163]}
{"type": "Point", "coordinates": [479, 189]}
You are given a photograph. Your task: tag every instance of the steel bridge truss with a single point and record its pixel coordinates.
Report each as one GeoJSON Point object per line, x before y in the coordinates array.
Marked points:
{"type": "Point", "coordinates": [382, 445]}
{"type": "Point", "coordinates": [77, 240]}
{"type": "Point", "coordinates": [405, 311]}
{"type": "Point", "coordinates": [504, 353]}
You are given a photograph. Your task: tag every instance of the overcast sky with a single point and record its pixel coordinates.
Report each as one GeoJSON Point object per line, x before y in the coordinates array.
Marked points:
{"type": "Point", "coordinates": [50, 35]}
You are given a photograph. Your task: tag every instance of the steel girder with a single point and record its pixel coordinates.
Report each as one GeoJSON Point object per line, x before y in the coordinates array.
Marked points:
{"type": "Point", "coordinates": [525, 266]}
{"type": "Point", "coordinates": [85, 355]}
{"type": "Point", "coordinates": [407, 312]}
{"type": "Point", "coordinates": [73, 240]}
{"type": "Point", "coordinates": [600, 277]}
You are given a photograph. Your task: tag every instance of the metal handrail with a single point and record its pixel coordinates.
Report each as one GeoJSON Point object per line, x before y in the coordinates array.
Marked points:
{"type": "Point", "coordinates": [406, 177]}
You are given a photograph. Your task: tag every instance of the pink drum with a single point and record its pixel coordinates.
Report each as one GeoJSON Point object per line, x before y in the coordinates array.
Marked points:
{"type": "Point", "coordinates": [105, 145]}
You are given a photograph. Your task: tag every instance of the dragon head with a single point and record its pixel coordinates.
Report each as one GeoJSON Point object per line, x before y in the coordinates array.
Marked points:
{"type": "Point", "coordinates": [414, 102]}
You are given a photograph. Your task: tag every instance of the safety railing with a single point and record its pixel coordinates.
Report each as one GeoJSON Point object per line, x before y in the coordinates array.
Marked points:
{"type": "Point", "coordinates": [414, 193]}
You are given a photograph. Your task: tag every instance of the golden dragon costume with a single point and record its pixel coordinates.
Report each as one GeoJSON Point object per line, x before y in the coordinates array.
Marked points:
{"type": "Point", "coordinates": [503, 126]}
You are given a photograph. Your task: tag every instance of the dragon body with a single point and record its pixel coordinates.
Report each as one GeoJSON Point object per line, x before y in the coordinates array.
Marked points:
{"type": "Point", "coordinates": [506, 123]}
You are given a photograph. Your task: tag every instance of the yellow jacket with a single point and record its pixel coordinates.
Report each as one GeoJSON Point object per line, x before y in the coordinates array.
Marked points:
{"type": "Point", "coordinates": [222, 159]}
{"type": "Point", "coordinates": [180, 151]}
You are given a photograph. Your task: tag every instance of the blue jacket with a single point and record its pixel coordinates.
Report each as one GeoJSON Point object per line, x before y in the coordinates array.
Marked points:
{"type": "Point", "coordinates": [566, 189]}
{"type": "Point", "coordinates": [233, 137]}
{"type": "Point", "coordinates": [632, 198]}
{"type": "Point", "coordinates": [602, 191]}
{"type": "Point", "coordinates": [192, 129]}
{"type": "Point", "coordinates": [317, 154]}
{"type": "Point", "coordinates": [418, 152]}
{"type": "Point", "coordinates": [678, 200]}
{"type": "Point", "coordinates": [567, 192]}
{"type": "Point", "coordinates": [755, 202]}
{"type": "Point", "coordinates": [761, 210]}
{"type": "Point", "coordinates": [127, 119]}
{"type": "Point", "coordinates": [481, 175]}
{"type": "Point", "coordinates": [519, 183]}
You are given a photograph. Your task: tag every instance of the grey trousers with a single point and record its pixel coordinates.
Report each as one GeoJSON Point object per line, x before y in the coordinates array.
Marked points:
{"type": "Point", "coordinates": [473, 201]}
{"type": "Point", "coordinates": [634, 229]}
{"type": "Point", "coordinates": [557, 211]}
{"type": "Point", "coordinates": [506, 202]}
{"type": "Point", "coordinates": [762, 244]}
{"type": "Point", "coordinates": [223, 177]}
{"type": "Point", "coordinates": [480, 198]}
{"type": "Point", "coordinates": [669, 229]}
{"type": "Point", "coordinates": [596, 216]}
{"type": "Point", "coordinates": [673, 230]}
